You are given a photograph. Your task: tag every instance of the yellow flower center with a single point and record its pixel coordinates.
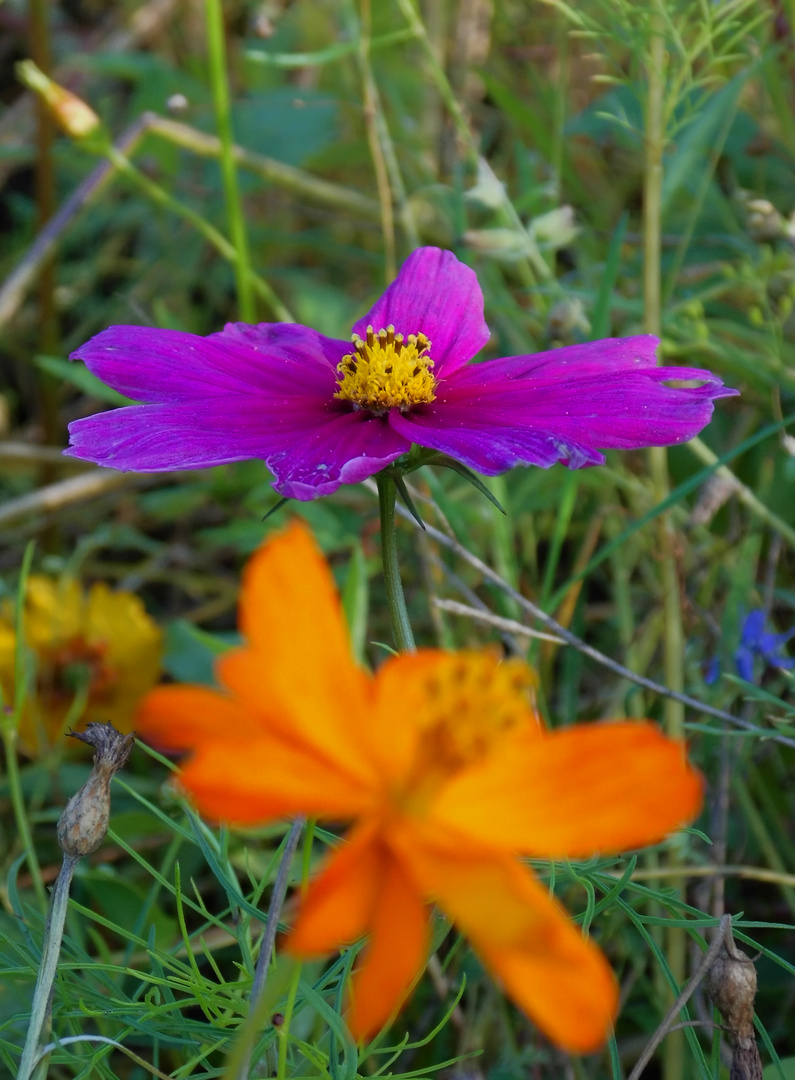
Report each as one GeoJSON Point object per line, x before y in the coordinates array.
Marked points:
{"type": "Point", "coordinates": [471, 702]}
{"type": "Point", "coordinates": [386, 371]}
{"type": "Point", "coordinates": [72, 665]}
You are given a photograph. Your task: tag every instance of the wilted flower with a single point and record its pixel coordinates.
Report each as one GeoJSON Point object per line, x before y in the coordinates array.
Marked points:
{"type": "Point", "coordinates": [72, 113]}
{"type": "Point", "coordinates": [448, 774]}
{"type": "Point", "coordinates": [101, 643]}
{"type": "Point", "coordinates": [322, 412]}
{"type": "Point", "coordinates": [84, 823]}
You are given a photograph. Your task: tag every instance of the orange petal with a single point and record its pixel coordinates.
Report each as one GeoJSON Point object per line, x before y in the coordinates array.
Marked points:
{"type": "Point", "coordinates": [187, 717]}
{"type": "Point", "coordinates": [239, 772]}
{"type": "Point", "coordinates": [556, 976]}
{"type": "Point", "coordinates": [400, 703]}
{"type": "Point", "coordinates": [250, 782]}
{"type": "Point", "coordinates": [338, 907]}
{"type": "Point", "coordinates": [395, 954]}
{"type": "Point", "coordinates": [589, 788]}
{"type": "Point", "coordinates": [297, 672]}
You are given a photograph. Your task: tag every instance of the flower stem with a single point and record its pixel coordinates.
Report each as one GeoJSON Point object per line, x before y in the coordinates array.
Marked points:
{"type": "Point", "coordinates": [395, 600]}
{"type": "Point", "coordinates": [160, 197]}
{"type": "Point", "coordinates": [673, 639]}
{"type": "Point", "coordinates": [292, 993]}
{"type": "Point", "coordinates": [10, 718]}
{"type": "Point", "coordinates": [53, 935]}
{"type": "Point", "coordinates": [271, 928]}
{"type": "Point", "coordinates": [14, 781]}
{"type": "Point", "coordinates": [220, 87]}
{"type": "Point", "coordinates": [274, 910]}
{"type": "Point", "coordinates": [376, 150]}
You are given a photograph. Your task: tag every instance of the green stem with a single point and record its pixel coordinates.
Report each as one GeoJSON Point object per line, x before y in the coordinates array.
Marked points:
{"type": "Point", "coordinates": [53, 935]}
{"type": "Point", "coordinates": [673, 635]}
{"type": "Point", "coordinates": [20, 816]}
{"type": "Point", "coordinates": [160, 197]}
{"type": "Point", "coordinates": [284, 1030]}
{"type": "Point", "coordinates": [395, 600]}
{"type": "Point", "coordinates": [220, 87]}
{"type": "Point", "coordinates": [9, 729]}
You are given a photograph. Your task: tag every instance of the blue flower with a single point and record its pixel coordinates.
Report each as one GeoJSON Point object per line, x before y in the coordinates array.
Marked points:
{"type": "Point", "coordinates": [756, 641]}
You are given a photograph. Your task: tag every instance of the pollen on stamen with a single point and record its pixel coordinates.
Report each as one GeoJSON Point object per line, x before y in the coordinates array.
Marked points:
{"type": "Point", "coordinates": [387, 371]}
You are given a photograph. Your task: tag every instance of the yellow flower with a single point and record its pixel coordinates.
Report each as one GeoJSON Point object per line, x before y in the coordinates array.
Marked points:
{"type": "Point", "coordinates": [102, 637]}
{"type": "Point", "coordinates": [448, 775]}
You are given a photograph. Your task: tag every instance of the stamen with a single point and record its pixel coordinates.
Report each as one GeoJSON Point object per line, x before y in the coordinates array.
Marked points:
{"type": "Point", "coordinates": [471, 702]}
{"type": "Point", "coordinates": [387, 371]}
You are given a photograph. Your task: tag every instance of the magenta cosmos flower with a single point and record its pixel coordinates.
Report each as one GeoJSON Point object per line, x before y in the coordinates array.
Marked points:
{"type": "Point", "coordinates": [322, 412]}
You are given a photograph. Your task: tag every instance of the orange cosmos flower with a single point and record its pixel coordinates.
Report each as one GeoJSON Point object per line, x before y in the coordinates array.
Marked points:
{"type": "Point", "coordinates": [448, 775]}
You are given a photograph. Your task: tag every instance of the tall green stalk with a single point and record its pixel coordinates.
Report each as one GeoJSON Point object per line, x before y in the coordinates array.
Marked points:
{"type": "Point", "coordinates": [10, 719]}
{"type": "Point", "coordinates": [673, 636]}
{"type": "Point", "coordinates": [160, 197]}
{"type": "Point", "coordinates": [216, 46]}
{"type": "Point", "coordinates": [395, 600]}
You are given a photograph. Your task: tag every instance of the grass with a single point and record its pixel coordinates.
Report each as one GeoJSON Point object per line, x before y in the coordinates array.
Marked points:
{"type": "Point", "coordinates": [605, 167]}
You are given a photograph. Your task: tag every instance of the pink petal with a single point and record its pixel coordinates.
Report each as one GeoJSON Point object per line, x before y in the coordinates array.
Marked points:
{"type": "Point", "coordinates": [438, 296]}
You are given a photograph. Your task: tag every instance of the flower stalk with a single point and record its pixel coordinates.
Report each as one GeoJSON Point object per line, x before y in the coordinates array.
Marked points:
{"type": "Point", "coordinates": [395, 599]}
{"type": "Point", "coordinates": [673, 636]}
{"type": "Point", "coordinates": [216, 45]}
{"type": "Point", "coordinates": [81, 830]}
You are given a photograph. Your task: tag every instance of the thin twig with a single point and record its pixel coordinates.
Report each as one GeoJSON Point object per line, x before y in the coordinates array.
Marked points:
{"type": "Point", "coordinates": [30, 455]}
{"type": "Point", "coordinates": [667, 1025]}
{"type": "Point", "coordinates": [722, 870]}
{"type": "Point", "coordinates": [271, 928]}
{"type": "Point", "coordinates": [297, 181]}
{"type": "Point", "coordinates": [510, 626]}
{"type": "Point", "coordinates": [75, 489]}
{"type": "Point", "coordinates": [461, 587]}
{"type": "Point", "coordinates": [103, 1040]}
{"type": "Point", "coordinates": [14, 288]}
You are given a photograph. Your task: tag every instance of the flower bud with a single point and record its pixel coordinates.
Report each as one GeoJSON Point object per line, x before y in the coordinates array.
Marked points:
{"type": "Point", "coordinates": [71, 112]}
{"type": "Point", "coordinates": [84, 822]}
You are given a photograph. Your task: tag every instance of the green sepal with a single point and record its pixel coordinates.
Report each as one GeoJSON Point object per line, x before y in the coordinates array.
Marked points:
{"type": "Point", "coordinates": [403, 491]}
{"type": "Point", "coordinates": [462, 470]}
{"type": "Point", "coordinates": [278, 506]}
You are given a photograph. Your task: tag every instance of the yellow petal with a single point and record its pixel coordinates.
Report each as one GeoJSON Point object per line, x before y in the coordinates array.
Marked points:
{"type": "Point", "coordinates": [585, 789]}
{"type": "Point", "coordinates": [297, 669]}
{"type": "Point", "coordinates": [131, 646]}
{"type": "Point", "coordinates": [557, 977]}
{"type": "Point", "coordinates": [394, 956]}
{"type": "Point", "coordinates": [338, 907]}
{"type": "Point", "coordinates": [53, 611]}
{"type": "Point", "coordinates": [239, 772]}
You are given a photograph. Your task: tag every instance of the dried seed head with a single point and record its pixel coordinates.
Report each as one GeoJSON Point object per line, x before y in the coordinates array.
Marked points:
{"type": "Point", "coordinates": [84, 822]}
{"type": "Point", "coordinates": [731, 983]}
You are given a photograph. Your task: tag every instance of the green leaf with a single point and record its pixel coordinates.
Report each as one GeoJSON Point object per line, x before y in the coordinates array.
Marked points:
{"type": "Point", "coordinates": [76, 373]}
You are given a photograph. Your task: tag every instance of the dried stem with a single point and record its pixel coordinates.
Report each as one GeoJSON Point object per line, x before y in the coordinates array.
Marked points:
{"type": "Point", "coordinates": [668, 1026]}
